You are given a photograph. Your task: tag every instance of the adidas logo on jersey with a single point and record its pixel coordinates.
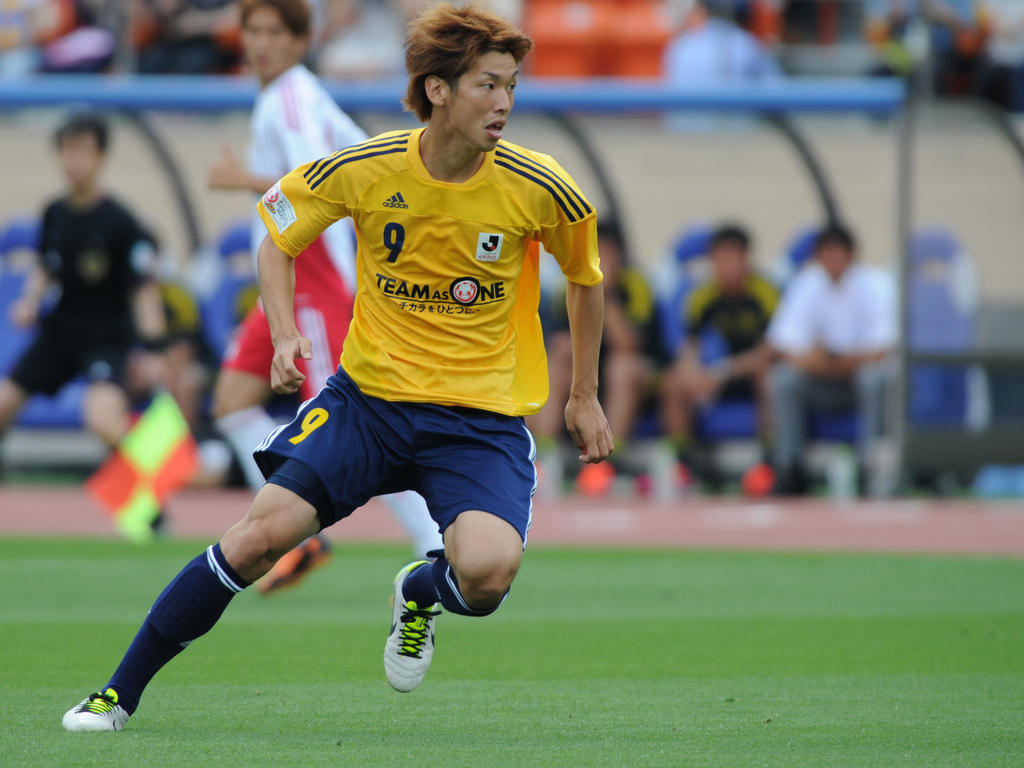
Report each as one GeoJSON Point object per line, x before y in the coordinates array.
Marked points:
{"type": "Point", "coordinates": [396, 201]}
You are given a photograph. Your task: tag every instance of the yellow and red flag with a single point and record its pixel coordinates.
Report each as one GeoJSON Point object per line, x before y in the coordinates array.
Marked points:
{"type": "Point", "coordinates": [155, 458]}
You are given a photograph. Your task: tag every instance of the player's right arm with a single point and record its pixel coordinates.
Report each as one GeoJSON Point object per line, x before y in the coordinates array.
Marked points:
{"type": "Point", "coordinates": [277, 289]}
{"type": "Point", "coordinates": [25, 311]}
{"type": "Point", "coordinates": [294, 215]}
{"type": "Point", "coordinates": [229, 173]}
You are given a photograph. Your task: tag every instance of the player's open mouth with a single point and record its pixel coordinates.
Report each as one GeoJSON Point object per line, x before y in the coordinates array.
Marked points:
{"type": "Point", "coordinates": [494, 129]}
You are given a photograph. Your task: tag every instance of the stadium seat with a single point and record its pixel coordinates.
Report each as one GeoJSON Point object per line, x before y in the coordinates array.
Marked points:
{"type": "Point", "coordinates": [801, 247]}
{"type": "Point", "coordinates": [62, 411]}
{"type": "Point", "coordinates": [796, 253]}
{"type": "Point", "coordinates": [834, 427]}
{"type": "Point", "coordinates": [942, 314]}
{"type": "Point", "coordinates": [235, 239]}
{"type": "Point", "coordinates": [570, 37]}
{"type": "Point", "coordinates": [235, 291]}
{"type": "Point", "coordinates": [727, 420]}
{"type": "Point", "coordinates": [638, 38]}
{"type": "Point", "coordinates": [21, 233]}
{"type": "Point", "coordinates": [675, 277]}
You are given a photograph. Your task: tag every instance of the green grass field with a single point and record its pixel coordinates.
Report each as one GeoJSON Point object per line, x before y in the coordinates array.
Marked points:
{"type": "Point", "coordinates": [624, 658]}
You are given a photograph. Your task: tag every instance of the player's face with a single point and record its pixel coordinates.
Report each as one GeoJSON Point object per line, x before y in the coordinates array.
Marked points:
{"type": "Point", "coordinates": [270, 47]}
{"type": "Point", "coordinates": [835, 258]}
{"type": "Point", "coordinates": [80, 159]}
{"type": "Point", "coordinates": [729, 264]}
{"type": "Point", "coordinates": [483, 98]}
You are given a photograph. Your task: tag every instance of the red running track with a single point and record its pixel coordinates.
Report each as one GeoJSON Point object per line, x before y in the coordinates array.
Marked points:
{"type": "Point", "coordinates": [973, 527]}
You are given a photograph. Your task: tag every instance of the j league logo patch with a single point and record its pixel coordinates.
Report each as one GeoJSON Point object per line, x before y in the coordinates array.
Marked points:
{"type": "Point", "coordinates": [488, 246]}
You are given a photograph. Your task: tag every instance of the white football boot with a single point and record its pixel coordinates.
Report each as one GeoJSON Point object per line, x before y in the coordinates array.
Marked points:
{"type": "Point", "coordinates": [99, 712]}
{"type": "Point", "coordinates": [410, 644]}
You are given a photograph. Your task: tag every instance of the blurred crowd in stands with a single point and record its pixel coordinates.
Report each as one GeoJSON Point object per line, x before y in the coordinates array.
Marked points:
{"type": "Point", "coordinates": [701, 350]}
{"type": "Point", "coordinates": [953, 47]}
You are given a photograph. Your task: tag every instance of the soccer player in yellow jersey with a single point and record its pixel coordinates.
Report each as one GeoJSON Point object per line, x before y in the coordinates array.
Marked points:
{"type": "Point", "coordinates": [443, 358]}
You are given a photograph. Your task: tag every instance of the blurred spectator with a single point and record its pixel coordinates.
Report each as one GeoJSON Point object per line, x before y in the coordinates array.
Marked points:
{"type": "Point", "coordinates": [94, 250]}
{"type": "Point", "coordinates": [26, 26]}
{"type": "Point", "coordinates": [960, 32]}
{"type": "Point", "coordinates": [889, 29]}
{"type": "Point", "coordinates": [711, 48]}
{"type": "Point", "coordinates": [1003, 79]}
{"type": "Point", "coordinates": [92, 44]}
{"type": "Point", "coordinates": [188, 373]}
{"type": "Point", "coordinates": [365, 38]}
{"type": "Point", "coordinates": [833, 332]}
{"type": "Point", "coordinates": [733, 307]}
{"type": "Point", "coordinates": [187, 37]}
{"type": "Point", "coordinates": [630, 355]}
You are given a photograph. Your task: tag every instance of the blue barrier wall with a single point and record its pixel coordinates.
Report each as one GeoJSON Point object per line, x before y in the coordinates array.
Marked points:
{"type": "Point", "coordinates": [217, 94]}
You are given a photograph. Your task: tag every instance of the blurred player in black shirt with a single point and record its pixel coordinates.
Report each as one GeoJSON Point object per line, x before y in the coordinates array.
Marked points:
{"type": "Point", "coordinates": [104, 264]}
{"type": "Point", "coordinates": [731, 311]}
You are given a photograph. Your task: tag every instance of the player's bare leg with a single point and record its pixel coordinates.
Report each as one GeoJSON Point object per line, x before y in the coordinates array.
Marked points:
{"type": "Point", "coordinates": [238, 408]}
{"type": "Point", "coordinates": [484, 552]}
{"type": "Point", "coordinates": [193, 602]}
{"type": "Point", "coordinates": [277, 520]}
{"type": "Point", "coordinates": [482, 557]}
{"type": "Point", "coordinates": [238, 400]}
{"type": "Point", "coordinates": [12, 400]}
{"type": "Point", "coordinates": [105, 412]}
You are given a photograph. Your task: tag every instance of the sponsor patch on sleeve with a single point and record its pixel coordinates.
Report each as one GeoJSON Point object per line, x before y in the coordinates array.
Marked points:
{"type": "Point", "coordinates": [279, 207]}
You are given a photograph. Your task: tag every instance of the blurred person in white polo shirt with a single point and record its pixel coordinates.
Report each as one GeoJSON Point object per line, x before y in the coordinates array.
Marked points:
{"type": "Point", "coordinates": [833, 335]}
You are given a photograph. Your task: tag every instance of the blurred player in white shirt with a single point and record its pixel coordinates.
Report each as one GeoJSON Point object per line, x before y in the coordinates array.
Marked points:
{"type": "Point", "coordinates": [834, 333]}
{"type": "Point", "coordinates": [294, 121]}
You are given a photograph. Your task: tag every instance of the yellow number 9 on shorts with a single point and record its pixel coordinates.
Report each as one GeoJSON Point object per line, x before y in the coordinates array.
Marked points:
{"type": "Point", "coordinates": [313, 420]}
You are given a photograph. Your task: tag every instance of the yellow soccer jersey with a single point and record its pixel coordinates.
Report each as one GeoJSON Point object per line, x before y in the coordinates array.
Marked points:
{"type": "Point", "coordinates": [447, 294]}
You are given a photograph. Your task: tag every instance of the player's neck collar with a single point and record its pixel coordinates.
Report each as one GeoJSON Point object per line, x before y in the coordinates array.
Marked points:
{"type": "Point", "coordinates": [416, 162]}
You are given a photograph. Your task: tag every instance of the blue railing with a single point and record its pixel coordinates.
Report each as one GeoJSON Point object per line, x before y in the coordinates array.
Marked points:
{"type": "Point", "coordinates": [217, 94]}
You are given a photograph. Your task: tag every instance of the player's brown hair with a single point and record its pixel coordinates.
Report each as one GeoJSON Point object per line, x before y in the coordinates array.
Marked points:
{"type": "Point", "coordinates": [446, 41]}
{"type": "Point", "coordinates": [294, 13]}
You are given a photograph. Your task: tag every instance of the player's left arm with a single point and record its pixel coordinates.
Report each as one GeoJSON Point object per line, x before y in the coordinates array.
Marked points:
{"type": "Point", "coordinates": [584, 417]}
{"type": "Point", "coordinates": [569, 233]}
{"type": "Point", "coordinates": [148, 313]}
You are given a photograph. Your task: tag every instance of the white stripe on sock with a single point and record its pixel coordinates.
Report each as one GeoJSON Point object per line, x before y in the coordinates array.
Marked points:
{"type": "Point", "coordinates": [455, 588]}
{"type": "Point", "coordinates": [215, 567]}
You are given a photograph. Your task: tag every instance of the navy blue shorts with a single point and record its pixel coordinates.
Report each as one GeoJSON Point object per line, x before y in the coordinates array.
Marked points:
{"type": "Point", "coordinates": [344, 447]}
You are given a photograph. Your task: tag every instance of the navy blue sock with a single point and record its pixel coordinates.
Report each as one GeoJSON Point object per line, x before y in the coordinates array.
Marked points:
{"type": "Point", "coordinates": [419, 587]}
{"type": "Point", "coordinates": [436, 582]}
{"type": "Point", "coordinates": [187, 608]}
